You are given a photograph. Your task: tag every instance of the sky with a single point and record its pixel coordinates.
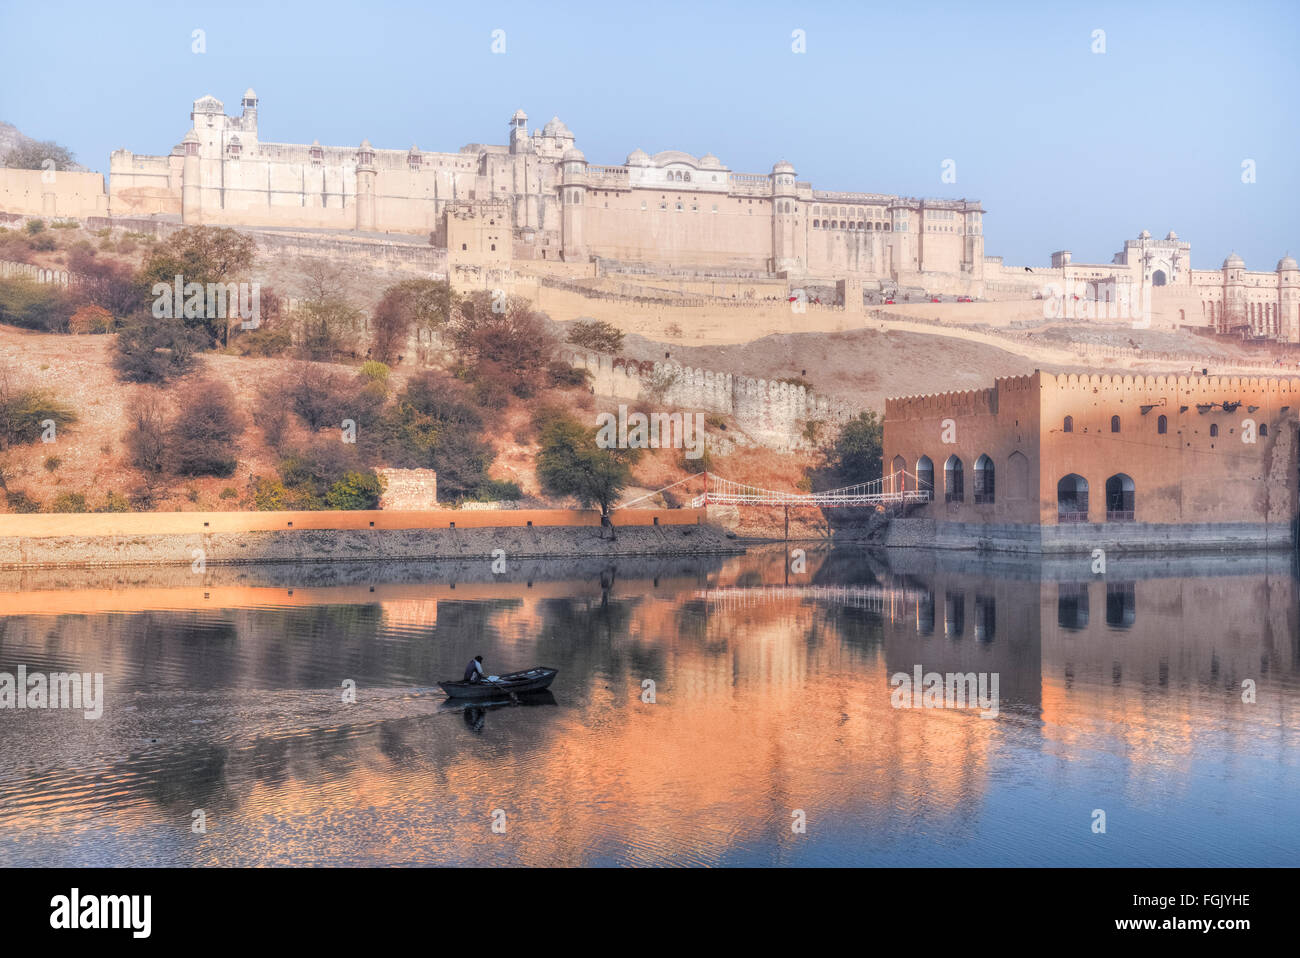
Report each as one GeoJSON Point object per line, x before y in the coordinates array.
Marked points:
{"type": "Point", "coordinates": [1067, 148]}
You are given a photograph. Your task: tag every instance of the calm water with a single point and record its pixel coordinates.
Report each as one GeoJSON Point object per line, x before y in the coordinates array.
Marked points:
{"type": "Point", "coordinates": [1120, 693]}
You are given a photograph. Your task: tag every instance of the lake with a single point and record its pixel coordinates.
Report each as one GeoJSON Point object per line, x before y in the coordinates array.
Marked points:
{"type": "Point", "coordinates": [746, 710]}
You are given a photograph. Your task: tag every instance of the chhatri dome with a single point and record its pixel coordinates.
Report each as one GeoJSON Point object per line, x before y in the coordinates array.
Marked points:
{"type": "Point", "coordinates": [638, 157]}
{"type": "Point", "coordinates": [1234, 262]}
{"type": "Point", "coordinates": [781, 166]}
{"type": "Point", "coordinates": [710, 162]}
{"type": "Point", "coordinates": [1287, 262]}
{"type": "Point", "coordinates": [555, 128]}
{"type": "Point", "coordinates": [573, 154]}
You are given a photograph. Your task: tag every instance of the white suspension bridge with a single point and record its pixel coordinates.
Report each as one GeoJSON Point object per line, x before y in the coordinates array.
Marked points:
{"type": "Point", "coordinates": [900, 489]}
{"type": "Point", "coordinates": [893, 602]}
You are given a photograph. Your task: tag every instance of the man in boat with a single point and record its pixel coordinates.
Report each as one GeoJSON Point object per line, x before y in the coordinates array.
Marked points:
{"type": "Point", "coordinates": [474, 671]}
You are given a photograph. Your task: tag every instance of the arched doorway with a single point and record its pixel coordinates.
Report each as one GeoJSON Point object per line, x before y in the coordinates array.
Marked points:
{"type": "Point", "coordinates": [1072, 499]}
{"type": "Point", "coordinates": [1158, 278]}
{"type": "Point", "coordinates": [1119, 498]}
{"type": "Point", "coordinates": [954, 480]}
{"type": "Point", "coordinates": [1017, 476]}
{"type": "Point", "coordinates": [898, 474]}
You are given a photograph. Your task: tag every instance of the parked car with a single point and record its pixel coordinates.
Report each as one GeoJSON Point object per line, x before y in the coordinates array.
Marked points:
{"type": "Point", "coordinates": [935, 299]}
{"type": "Point", "coordinates": [964, 299]}
{"type": "Point", "coordinates": [889, 302]}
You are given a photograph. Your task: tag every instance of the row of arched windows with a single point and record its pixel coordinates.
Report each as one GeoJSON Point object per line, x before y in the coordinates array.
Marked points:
{"type": "Point", "coordinates": [1072, 498]}
{"type": "Point", "coordinates": [1072, 610]}
{"type": "Point", "coordinates": [849, 225]}
{"type": "Point", "coordinates": [984, 487]}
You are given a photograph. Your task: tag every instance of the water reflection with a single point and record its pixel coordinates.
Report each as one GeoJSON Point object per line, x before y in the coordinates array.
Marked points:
{"type": "Point", "coordinates": [771, 692]}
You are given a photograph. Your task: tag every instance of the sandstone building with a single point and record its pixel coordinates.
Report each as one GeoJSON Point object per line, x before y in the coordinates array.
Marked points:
{"type": "Point", "coordinates": [1048, 463]}
{"type": "Point", "coordinates": [667, 210]}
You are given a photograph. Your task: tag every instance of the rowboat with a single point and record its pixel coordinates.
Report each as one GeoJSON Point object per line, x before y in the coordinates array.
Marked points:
{"type": "Point", "coordinates": [531, 680]}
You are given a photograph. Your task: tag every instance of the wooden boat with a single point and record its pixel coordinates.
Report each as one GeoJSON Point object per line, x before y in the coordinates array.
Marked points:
{"type": "Point", "coordinates": [531, 680]}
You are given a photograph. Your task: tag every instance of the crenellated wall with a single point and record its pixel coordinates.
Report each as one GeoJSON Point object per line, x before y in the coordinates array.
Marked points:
{"type": "Point", "coordinates": [771, 412]}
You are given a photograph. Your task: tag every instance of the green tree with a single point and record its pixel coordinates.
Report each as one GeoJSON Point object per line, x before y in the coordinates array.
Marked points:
{"type": "Point", "coordinates": [856, 455]}
{"type": "Point", "coordinates": [198, 254]}
{"type": "Point", "coordinates": [571, 464]}
{"type": "Point", "coordinates": [356, 490]}
{"type": "Point", "coordinates": [596, 335]}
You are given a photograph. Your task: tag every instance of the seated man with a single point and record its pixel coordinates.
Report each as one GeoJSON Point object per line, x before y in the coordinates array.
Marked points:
{"type": "Point", "coordinates": [474, 671]}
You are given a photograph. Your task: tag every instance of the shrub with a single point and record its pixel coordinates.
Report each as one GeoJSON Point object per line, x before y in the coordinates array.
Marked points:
{"type": "Point", "coordinates": [228, 493]}
{"type": "Point", "coordinates": [45, 307]}
{"type": "Point", "coordinates": [270, 495]}
{"type": "Point", "coordinates": [69, 502]}
{"type": "Point", "coordinates": [327, 328]}
{"type": "Point", "coordinates": [146, 437]}
{"type": "Point", "coordinates": [597, 335]}
{"type": "Point", "coordinates": [432, 425]}
{"type": "Point", "coordinates": [155, 350]}
{"type": "Point", "coordinates": [356, 490]}
{"type": "Point", "coordinates": [103, 282]}
{"type": "Point", "coordinates": [560, 375]}
{"type": "Point", "coordinates": [35, 226]}
{"type": "Point", "coordinates": [201, 439]}
{"type": "Point", "coordinates": [90, 319]}
{"type": "Point", "coordinates": [374, 372]}
{"type": "Point", "coordinates": [324, 397]}
{"type": "Point", "coordinates": [24, 414]}
{"type": "Point", "coordinates": [498, 490]}
{"type": "Point", "coordinates": [115, 502]}
{"type": "Point", "coordinates": [21, 502]}
{"type": "Point", "coordinates": [52, 463]}
{"type": "Point", "coordinates": [43, 243]}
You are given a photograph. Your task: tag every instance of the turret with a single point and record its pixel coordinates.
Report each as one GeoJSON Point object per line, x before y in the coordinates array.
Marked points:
{"type": "Point", "coordinates": [1234, 293]}
{"type": "Point", "coordinates": [366, 174]}
{"type": "Point", "coordinates": [191, 191]}
{"type": "Point", "coordinates": [1288, 299]}
{"type": "Point", "coordinates": [573, 202]}
{"type": "Point", "coordinates": [785, 207]}
{"type": "Point", "coordinates": [249, 103]}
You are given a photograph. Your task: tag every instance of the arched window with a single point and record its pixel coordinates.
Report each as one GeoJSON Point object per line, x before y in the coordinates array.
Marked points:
{"type": "Point", "coordinates": [1214, 429]}
{"type": "Point", "coordinates": [954, 614]}
{"type": "Point", "coordinates": [1162, 425]}
{"type": "Point", "coordinates": [1114, 423]}
{"type": "Point", "coordinates": [925, 475]}
{"type": "Point", "coordinates": [1069, 424]}
{"type": "Point", "coordinates": [1072, 499]}
{"type": "Point", "coordinates": [925, 614]}
{"type": "Point", "coordinates": [954, 482]}
{"type": "Point", "coordinates": [983, 479]}
{"type": "Point", "coordinates": [817, 224]}
{"type": "Point", "coordinates": [1263, 429]}
{"type": "Point", "coordinates": [1119, 498]}
{"type": "Point", "coordinates": [986, 625]}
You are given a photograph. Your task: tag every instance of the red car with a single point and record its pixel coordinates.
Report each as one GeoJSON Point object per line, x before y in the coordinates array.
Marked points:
{"type": "Point", "coordinates": [889, 302]}
{"type": "Point", "coordinates": [964, 299]}
{"type": "Point", "coordinates": [934, 299]}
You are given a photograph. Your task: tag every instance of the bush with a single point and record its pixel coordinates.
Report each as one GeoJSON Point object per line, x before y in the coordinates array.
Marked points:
{"type": "Point", "coordinates": [90, 319]}
{"type": "Point", "coordinates": [45, 307]}
{"type": "Point", "coordinates": [498, 490]}
{"type": "Point", "coordinates": [356, 490]}
{"type": "Point", "coordinates": [374, 372]}
{"type": "Point", "coordinates": [228, 493]}
{"type": "Point", "coordinates": [35, 226]}
{"type": "Point", "coordinates": [115, 502]}
{"type": "Point", "coordinates": [560, 375]}
{"type": "Point", "coordinates": [69, 502]}
{"type": "Point", "coordinates": [200, 441]}
{"type": "Point", "coordinates": [324, 397]}
{"type": "Point", "coordinates": [52, 463]}
{"type": "Point", "coordinates": [597, 335]}
{"type": "Point", "coordinates": [146, 437]}
{"type": "Point", "coordinates": [24, 414]}
{"type": "Point", "coordinates": [44, 243]}
{"type": "Point", "coordinates": [21, 502]}
{"type": "Point", "coordinates": [432, 425]}
{"type": "Point", "coordinates": [270, 495]}
{"type": "Point", "coordinates": [103, 282]}
{"type": "Point", "coordinates": [155, 350]}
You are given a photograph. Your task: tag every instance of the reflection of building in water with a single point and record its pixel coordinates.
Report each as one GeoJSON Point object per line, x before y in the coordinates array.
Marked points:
{"type": "Point", "coordinates": [1072, 463]}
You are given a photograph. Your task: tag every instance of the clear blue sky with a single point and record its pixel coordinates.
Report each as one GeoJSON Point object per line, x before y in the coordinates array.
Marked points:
{"type": "Point", "coordinates": [1066, 148]}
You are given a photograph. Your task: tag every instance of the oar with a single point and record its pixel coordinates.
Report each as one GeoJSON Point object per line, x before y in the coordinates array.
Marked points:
{"type": "Point", "coordinates": [514, 699]}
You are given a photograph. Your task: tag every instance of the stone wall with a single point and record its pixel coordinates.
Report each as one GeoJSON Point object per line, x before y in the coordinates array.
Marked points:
{"type": "Point", "coordinates": [773, 413]}
{"type": "Point", "coordinates": [410, 489]}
